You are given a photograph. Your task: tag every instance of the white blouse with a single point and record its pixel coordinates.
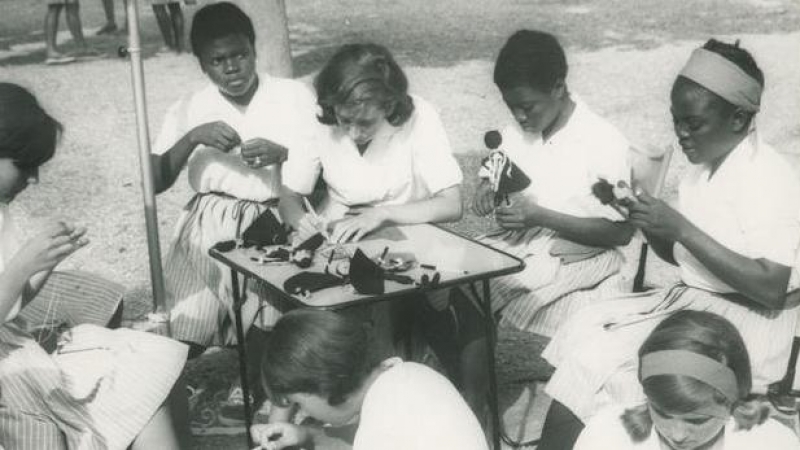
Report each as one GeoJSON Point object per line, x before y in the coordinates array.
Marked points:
{"type": "Point", "coordinates": [749, 205]}
{"type": "Point", "coordinates": [563, 168]}
{"type": "Point", "coordinates": [9, 245]}
{"type": "Point", "coordinates": [402, 164]}
{"type": "Point", "coordinates": [282, 111]}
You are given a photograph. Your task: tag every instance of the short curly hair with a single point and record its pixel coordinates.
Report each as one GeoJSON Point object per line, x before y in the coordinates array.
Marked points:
{"type": "Point", "coordinates": [219, 20]}
{"type": "Point", "coordinates": [530, 58]}
{"type": "Point", "coordinates": [358, 65]}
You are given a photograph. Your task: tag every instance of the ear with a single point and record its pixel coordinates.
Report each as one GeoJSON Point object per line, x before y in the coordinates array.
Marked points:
{"type": "Point", "coordinates": [559, 89]}
{"type": "Point", "coordinates": [740, 120]}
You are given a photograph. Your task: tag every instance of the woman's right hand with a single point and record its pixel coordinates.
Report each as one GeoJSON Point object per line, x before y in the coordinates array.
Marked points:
{"type": "Point", "coordinates": [275, 436]}
{"type": "Point", "coordinates": [483, 202]}
{"type": "Point", "coordinates": [54, 244]}
{"type": "Point", "coordinates": [308, 226]}
{"type": "Point", "coordinates": [217, 134]}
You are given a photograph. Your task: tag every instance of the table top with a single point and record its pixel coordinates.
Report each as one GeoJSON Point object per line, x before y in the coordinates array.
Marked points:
{"type": "Point", "coordinates": [458, 259]}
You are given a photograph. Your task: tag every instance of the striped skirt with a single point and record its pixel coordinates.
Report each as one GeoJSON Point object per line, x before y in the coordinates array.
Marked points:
{"type": "Point", "coordinates": [99, 390]}
{"type": "Point", "coordinates": [595, 352]}
{"type": "Point", "coordinates": [547, 291]}
{"type": "Point", "coordinates": [199, 293]}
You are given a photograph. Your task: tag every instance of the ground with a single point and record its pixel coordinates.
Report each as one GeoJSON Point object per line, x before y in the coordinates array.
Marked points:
{"type": "Point", "coordinates": [623, 56]}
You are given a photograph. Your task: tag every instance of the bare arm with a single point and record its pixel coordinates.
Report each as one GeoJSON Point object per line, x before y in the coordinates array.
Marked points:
{"type": "Point", "coordinates": [167, 166]}
{"type": "Point", "coordinates": [762, 281]}
{"type": "Point", "coordinates": [444, 206]}
{"type": "Point", "coordinates": [598, 232]}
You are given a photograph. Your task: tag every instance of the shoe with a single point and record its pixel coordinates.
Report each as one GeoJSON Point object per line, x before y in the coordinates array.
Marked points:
{"type": "Point", "coordinates": [55, 60]}
{"type": "Point", "coordinates": [109, 28]}
{"type": "Point", "coordinates": [231, 411]}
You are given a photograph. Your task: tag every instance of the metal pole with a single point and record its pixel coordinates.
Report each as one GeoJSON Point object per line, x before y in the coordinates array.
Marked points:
{"type": "Point", "coordinates": [151, 219]}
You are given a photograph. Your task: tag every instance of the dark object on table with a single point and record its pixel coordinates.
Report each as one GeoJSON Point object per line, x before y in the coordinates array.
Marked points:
{"type": "Point", "coordinates": [265, 230]}
{"type": "Point", "coordinates": [302, 258]}
{"type": "Point", "coordinates": [312, 243]}
{"type": "Point", "coordinates": [365, 275]}
{"type": "Point", "coordinates": [305, 283]}
{"type": "Point", "coordinates": [225, 246]}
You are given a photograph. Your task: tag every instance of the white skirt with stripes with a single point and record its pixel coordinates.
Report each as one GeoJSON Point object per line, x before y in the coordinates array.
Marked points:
{"type": "Point", "coordinates": [99, 390]}
{"type": "Point", "coordinates": [547, 291]}
{"type": "Point", "coordinates": [595, 353]}
{"type": "Point", "coordinates": [199, 293]}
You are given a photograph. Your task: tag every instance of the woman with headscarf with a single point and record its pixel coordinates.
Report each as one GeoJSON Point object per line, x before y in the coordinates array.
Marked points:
{"type": "Point", "coordinates": [733, 237]}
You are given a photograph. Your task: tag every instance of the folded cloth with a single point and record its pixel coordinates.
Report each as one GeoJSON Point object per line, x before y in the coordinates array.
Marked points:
{"type": "Point", "coordinates": [365, 274]}
{"type": "Point", "coordinates": [265, 230]}
{"type": "Point", "coordinates": [305, 283]}
{"type": "Point", "coordinates": [570, 252]}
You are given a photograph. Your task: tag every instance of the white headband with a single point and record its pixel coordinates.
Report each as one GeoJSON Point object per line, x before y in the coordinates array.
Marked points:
{"type": "Point", "coordinates": [724, 78]}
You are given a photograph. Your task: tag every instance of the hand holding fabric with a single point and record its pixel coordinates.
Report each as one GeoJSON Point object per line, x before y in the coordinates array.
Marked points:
{"type": "Point", "coordinates": [275, 436]}
{"type": "Point", "coordinates": [523, 212]}
{"type": "Point", "coordinates": [217, 134]}
{"type": "Point", "coordinates": [357, 224]}
{"type": "Point", "coordinates": [483, 202]}
{"type": "Point", "coordinates": [657, 218]}
{"type": "Point", "coordinates": [260, 152]}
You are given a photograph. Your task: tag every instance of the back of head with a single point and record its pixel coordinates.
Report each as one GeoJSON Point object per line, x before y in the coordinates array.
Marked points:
{"type": "Point", "coordinates": [317, 352]}
{"type": "Point", "coordinates": [710, 336]}
{"type": "Point", "coordinates": [530, 58]}
{"type": "Point", "coordinates": [28, 135]}
{"type": "Point", "coordinates": [218, 20]}
{"type": "Point", "coordinates": [370, 68]}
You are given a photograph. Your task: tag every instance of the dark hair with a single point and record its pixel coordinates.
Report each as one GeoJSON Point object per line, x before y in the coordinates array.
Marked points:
{"type": "Point", "coordinates": [706, 334]}
{"type": "Point", "coordinates": [530, 58]}
{"type": "Point", "coordinates": [219, 20]}
{"type": "Point", "coordinates": [737, 55]}
{"type": "Point", "coordinates": [317, 352]}
{"type": "Point", "coordinates": [363, 64]}
{"type": "Point", "coordinates": [28, 135]}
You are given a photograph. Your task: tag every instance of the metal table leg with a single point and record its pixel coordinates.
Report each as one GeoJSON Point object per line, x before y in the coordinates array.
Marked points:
{"type": "Point", "coordinates": [491, 339]}
{"type": "Point", "coordinates": [238, 301]}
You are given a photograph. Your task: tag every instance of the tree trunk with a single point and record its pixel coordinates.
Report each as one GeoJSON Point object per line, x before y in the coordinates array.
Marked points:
{"type": "Point", "coordinates": [272, 35]}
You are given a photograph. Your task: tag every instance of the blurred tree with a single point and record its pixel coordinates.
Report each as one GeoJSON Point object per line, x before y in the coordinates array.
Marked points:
{"type": "Point", "coordinates": [272, 35]}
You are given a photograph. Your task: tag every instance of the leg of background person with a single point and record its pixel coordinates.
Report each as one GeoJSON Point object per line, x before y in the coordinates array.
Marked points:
{"type": "Point", "coordinates": [111, 21]}
{"type": "Point", "coordinates": [164, 24]}
{"type": "Point", "coordinates": [73, 13]}
{"type": "Point", "coordinates": [168, 429]}
{"type": "Point", "coordinates": [51, 28]}
{"type": "Point", "coordinates": [176, 15]}
{"type": "Point", "coordinates": [561, 428]}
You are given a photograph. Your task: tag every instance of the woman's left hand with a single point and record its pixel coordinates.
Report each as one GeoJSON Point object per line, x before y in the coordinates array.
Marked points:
{"type": "Point", "coordinates": [260, 152]}
{"type": "Point", "coordinates": [657, 218]}
{"type": "Point", "coordinates": [523, 212]}
{"type": "Point", "coordinates": [357, 224]}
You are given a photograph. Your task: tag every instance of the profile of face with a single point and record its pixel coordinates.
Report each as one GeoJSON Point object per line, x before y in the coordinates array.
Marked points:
{"type": "Point", "coordinates": [230, 63]}
{"type": "Point", "coordinates": [14, 179]}
{"type": "Point", "coordinates": [535, 110]}
{"type": "Point", "coordinates": [360, 119]}
{"type": "Point", "coordinates": [706, 126]}
{"type": "Point", "coordinates": [686, 431]}
{"type": "Point", "coordinates": [318, 407]}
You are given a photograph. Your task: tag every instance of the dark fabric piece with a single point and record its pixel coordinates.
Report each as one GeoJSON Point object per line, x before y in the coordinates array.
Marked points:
{"type": "Point", "coordinates": [365, 275]}
{"type": "Point", "coordinates": [307, 282]}
{"type": "Point", "coordinates": [265, 230]}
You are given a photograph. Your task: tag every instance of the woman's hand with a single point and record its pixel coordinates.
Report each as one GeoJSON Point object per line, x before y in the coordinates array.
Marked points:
{"type": "Point", "coordinates": [656, 218]}
{"type": "Point", "coordinates": [260, 152]}
{"type": "Point", "coordinates": [217, 134]}
{"type": "Point", "coordinates": [308, 226]}
{"type": "Point", "coordinates": [483, 202]}
{"type": "Point", "coordinates": [523, 212]}
{"type": "Point", "coordinates": [275, 436]}
{"type": "Point", "coordinates": [47, 249]}
{"type": "Point", "coordinates": [357, 224]}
